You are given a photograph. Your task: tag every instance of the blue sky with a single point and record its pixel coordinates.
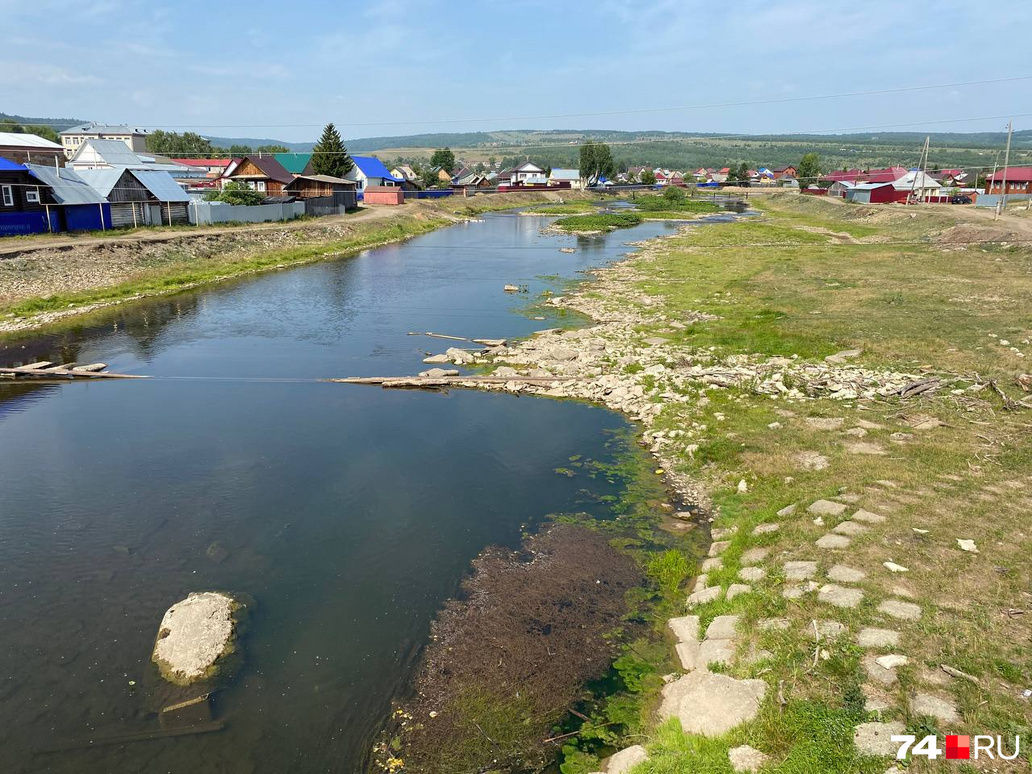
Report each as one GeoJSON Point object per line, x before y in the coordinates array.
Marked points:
{"type": "Point", "coordinates": [386, 67]}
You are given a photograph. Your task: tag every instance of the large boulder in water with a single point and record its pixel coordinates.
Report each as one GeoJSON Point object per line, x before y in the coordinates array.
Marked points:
{"type": "Point", "coordinates": [194, 635]}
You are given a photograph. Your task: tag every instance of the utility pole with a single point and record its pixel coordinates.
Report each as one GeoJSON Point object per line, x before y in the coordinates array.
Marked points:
{"type": "Point", "coordinates": [1006, 161]}
{"type": "Point", "coordinates": [917, 171]}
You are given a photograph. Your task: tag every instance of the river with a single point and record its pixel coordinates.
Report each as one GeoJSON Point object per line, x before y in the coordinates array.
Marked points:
{"type": "Point", "coordinates": [349, 514]}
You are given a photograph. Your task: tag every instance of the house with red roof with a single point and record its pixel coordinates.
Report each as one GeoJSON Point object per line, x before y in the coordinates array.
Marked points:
{"type": "Point", "coordinates": [845, 176]}
{"type": "Point", "coordinates": [211, 167]}
{"type": "Point", "coordinates": [889, 175]}
{"type": "Point", "coordinates": [1019, 181]}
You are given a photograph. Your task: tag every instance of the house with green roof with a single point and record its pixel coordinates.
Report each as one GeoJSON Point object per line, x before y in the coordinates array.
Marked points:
{"type": "Point", "coordinates": [296, 163]}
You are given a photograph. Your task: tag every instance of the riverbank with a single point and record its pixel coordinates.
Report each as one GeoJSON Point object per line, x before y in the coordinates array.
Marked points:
{"type": "Point", "coordinates": [844, 389]}
{"type": "Point", "coordinates": [49, 279]}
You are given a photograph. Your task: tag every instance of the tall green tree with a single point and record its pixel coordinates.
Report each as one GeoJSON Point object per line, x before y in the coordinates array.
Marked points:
{"type": "Point", "coordinates": [443, 158]}
{"type": "Point", "coordinates": [175, 144]}
{"type": "Point", "coordinates": [329, 156]}
{"type": "Point", "coordinates": [809, 170]}
{"type": "Point", "coordinates": [596, 161]}
{"type": "Point", "coordinates": [647, 177]}
{"type": "Point", "coordinates": [240, 150]}
{"type": "Point", "coordinates": [273, 149]}
{"type": "Point", "coordinates": [46, 132]}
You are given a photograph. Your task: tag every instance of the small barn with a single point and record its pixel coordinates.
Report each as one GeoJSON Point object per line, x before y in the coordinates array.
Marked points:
{"type": "Point", "coordinates": [140, 197]}
{"type": "Point", "coordinates": [324, 194]}
{"type": "Point", "coordinates": [73, 205]}
{"type": "Point", "coordinates": [875, 193]}
{"type": "Point", "coordinates": [840, 188]}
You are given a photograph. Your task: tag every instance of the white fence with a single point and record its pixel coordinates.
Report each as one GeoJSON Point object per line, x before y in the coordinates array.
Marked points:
{"type": "Point", "coordinates": [205, 213]}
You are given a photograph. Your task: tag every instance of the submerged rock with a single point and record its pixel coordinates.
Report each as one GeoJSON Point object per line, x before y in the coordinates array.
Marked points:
{"type": "Point", "coordinates": [194, 634]}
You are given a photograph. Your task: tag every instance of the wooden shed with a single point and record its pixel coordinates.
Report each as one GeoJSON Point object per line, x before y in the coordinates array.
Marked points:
{"type": "Point", "coordinates": [139, 197]}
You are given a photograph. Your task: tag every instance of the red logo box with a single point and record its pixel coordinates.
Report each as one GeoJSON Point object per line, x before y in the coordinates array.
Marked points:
{"type": "Point", "coordinates": [958, 747]}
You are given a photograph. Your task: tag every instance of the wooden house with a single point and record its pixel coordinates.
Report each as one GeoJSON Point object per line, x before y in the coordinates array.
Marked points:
{"type": "Point", "coordinates": [261, 173]}
{"type": "Point", "coordinates": [140, 197]}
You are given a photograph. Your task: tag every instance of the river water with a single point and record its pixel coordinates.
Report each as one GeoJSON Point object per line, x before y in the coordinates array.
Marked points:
{"type": "Point", "coordinates": [347, 513]}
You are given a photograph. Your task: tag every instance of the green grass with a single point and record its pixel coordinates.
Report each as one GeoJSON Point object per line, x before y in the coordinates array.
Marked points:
{"type": "Point", "coordinates": [790, 285]}
{"type": "Point", "coordinates": [601, 222]}
{"type": "Point", "coordinates": [187, 272]}
{"type": "Point", "coordinates": [664, 204]}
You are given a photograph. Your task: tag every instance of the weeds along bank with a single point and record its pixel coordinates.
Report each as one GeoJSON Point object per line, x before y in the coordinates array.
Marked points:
{"type": "Point", "coordinates": [844, 388]}
{"type": "Point", "coordinates": [58, 280]}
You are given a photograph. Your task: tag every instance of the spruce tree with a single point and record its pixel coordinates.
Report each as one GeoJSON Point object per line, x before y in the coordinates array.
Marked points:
{"type": "Point", "coordinates": [329, 156]}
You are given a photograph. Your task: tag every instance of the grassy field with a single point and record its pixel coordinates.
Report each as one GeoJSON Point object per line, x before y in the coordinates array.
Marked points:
{"type": "Point", "coordinates": [806, 280]}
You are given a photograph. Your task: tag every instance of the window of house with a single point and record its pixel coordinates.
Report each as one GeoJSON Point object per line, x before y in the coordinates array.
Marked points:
{"type": "Point", "coordinates": [261, 185]}
{"type": "Point", "coordinates": [32, 196]}
{"type": "Point", "coordinates": [8, 193]}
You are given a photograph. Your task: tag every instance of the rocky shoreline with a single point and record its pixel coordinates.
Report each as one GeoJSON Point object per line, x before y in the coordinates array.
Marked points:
{"type": "Point", "coordinates": [611, 364]}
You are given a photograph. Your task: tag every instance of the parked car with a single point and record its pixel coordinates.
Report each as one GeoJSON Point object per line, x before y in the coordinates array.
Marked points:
{"type": "Point", "coordinates": [960, 200]}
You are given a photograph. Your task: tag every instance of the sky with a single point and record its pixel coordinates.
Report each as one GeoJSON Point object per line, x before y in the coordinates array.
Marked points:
{"type": "Point", "coordinates": [394, 67]}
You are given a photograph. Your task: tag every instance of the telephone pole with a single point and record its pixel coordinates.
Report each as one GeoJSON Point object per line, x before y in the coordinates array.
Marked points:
{"type": "Point", "coordinates": [1000, 205]}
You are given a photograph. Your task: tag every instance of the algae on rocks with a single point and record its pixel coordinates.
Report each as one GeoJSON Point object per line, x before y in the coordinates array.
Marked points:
{"type": "Point", "coordinates": [196, 637]}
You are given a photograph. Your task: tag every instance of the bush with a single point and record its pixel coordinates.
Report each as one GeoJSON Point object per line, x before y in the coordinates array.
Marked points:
{"type": "Point", "coordinates": [236, 193]}
{"type": "Point", "coordinates": [674, 195]}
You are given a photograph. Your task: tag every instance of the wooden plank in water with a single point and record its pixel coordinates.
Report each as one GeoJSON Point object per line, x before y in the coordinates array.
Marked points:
{"type": "Point", "coordinates": [91, 367]}
{"type": "Point", "coordinates": [34, 366]}
{"type": "Point", "coordinates": [57, 368]}
{"type": "Point", "coordinates": [140, 736]}
{"type": "Point", "coordinates": [439, 382]}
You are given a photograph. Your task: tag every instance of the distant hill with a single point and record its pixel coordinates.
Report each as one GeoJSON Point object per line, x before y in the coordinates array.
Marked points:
{"type": "Point", "coordinates": [254, 142]}
{"type": "Point", "coordinates": [57, 124]}
{"type": "Point", "coordinates": [677, 150]}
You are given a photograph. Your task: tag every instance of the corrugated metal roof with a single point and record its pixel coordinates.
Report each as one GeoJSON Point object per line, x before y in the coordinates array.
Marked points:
{"type": "Point", "coordinates": [28, 141]}
{"type": "Point", "coordinates": [566, 174]}
{"type": "Point", "coordinates": [294, 163]}
{"type": "Point", "coordinates": [101, 180]}
{"type": "Point", "coordinates": [113, 152]}
{"type": "Point", "coordinates": [67, 187]}
{"type": "Point", "coordinates": [372, 167]}
{"type": "Point", "coordinates": [161, 184]}
{"type": "Point", "coordinates": [104, 129]}
{"type": "Point", "coordinates": [1014, 175]}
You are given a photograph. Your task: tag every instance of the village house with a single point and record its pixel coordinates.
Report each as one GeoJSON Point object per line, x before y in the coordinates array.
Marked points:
{"type": "Point", "coordinates": [888, 175]}
{"type": "Point", "coordinates": [565, 178]}
{"type": "Point", "coordinates": [21, 201]}
{"type": "Point", "coordinates": [109, 154]}
{"type": "Point", "coordinates": [260, 173]}
{"type": "Point", "coordinates": [370, 171]}
{"type": "Point", "coordinates": [780, 172]}
{"type": "Point", "coordinates": [295, 163]}
{"type": "Point", "coordinates": [139, 197]}
{"type": "Point", "coordinates": [72, 138]}
{"type": "Point", "coordinates": [68, 200]}
{"type": "Point", "coordinates": [24, 148]}
{"type": "Point", "coordinates": [405, 172]}
{"type": "Point", "coordinates": [1019, 181]}
{"type": "Point", "coordinates": [526, 174]}
{"type": "Point", "coordinates": [210, 168]}
{"type": "Point", "coordinates": [853, 176]}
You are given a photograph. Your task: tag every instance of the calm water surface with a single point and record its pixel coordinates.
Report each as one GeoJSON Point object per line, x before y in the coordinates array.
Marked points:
{"type": "Point", "coordinates": [349, 514]}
